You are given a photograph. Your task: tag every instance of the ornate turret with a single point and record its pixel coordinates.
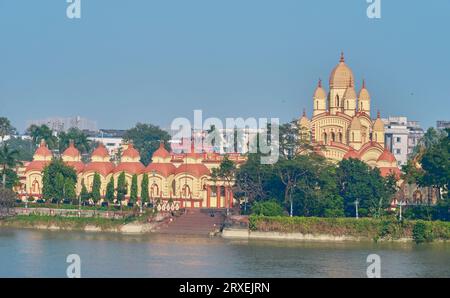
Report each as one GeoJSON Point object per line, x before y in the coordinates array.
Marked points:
{"type": "Point", "coordinates": [355, 133]}
{"type": "Point", "coordinates": [349, 101]}
{"type": "Point", "coordinates": [341, 79]}
{"type": "Point", "coordinates": [42, 157]}
{"type": "Point", "coordinates": [72, 157]}
{"type": "Point", "coordinates": [319, 99]}
{"type": "Point", "coordinates": [100, 162]}
{"type": "Point", "coordinates": [305, 126]}
{"type": "Point", "coordinates": [378, 130]}
{"type": "Point", "coordinates": [130, 161]}
{"type": "Point", "coordinates": [364, 99]}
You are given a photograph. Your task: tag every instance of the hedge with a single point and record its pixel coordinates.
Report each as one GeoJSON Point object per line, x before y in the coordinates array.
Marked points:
{"type": "Point", "coordinates": [388, 229]}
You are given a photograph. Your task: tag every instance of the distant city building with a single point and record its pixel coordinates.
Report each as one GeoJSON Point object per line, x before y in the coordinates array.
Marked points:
{"type": "Point", "coordinates": [226, 140]}
{"type": "Point", "coordinates": [442, 124]}
{"type": "Point", "coordinates": [112, 139]}
{"type": "Point", "coordinates": [112, 144]}
{"type": "Point", "coordinates": [401, 137]}
{"type": "Point", "coordinates": [60, 124]}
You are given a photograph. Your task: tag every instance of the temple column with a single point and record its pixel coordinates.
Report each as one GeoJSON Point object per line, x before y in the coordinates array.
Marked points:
{"type": "Point", "coordinates": [230, 194]}
{"type": "Point", "coordinates": [218, 191]}
{"type": "Point", "coordinates": [208, 196]}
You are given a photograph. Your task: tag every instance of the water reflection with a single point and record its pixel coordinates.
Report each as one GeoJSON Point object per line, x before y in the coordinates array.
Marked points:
{"type": "Point", "coordinates": [42, 253]}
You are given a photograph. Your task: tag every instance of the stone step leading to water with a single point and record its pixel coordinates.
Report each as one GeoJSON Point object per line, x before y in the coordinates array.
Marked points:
{"type": "Point", "coordinates": [194, 222]}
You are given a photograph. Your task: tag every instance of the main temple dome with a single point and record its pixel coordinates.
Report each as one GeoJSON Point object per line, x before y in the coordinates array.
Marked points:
{"type": "Point", "coordinates": [342, 75]}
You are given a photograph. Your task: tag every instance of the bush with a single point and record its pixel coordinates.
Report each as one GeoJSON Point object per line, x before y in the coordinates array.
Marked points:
{"type": "Point", "coordinates": [422, 233]}
{"type": "Point", "coordinates": [267, 208]}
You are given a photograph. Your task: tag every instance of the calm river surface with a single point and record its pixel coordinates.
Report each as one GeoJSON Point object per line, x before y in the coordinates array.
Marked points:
{"type": "Point", "coordinates": [30, 253]}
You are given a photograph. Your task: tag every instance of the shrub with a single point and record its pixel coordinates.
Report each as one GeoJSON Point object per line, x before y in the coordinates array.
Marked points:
{"type": "Point", "coordinates": [267, 208]}
{"type": "Point", "coordinates": [422, 233]}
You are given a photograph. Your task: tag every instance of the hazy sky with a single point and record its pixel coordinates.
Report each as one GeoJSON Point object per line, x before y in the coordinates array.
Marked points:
{"type": "Point", "coordinates": [154, 60]}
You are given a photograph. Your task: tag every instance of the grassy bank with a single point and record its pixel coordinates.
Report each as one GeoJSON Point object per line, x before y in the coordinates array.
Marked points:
{"type": "Point", "coordinates": [63, 223]}
{"type": "Point", "coordinates": [376, 229]}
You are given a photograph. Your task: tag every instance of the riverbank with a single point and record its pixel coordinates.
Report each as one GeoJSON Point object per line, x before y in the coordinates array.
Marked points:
{"type": "Point", "coordinates": [340, 229]}
{"type": "Point", "coordinates": [89, 224]}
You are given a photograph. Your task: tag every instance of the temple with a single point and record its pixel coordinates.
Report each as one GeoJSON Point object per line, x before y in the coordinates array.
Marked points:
{"type": "Point", "coordinates": [183, 179]}
{"type": "Point", "coordinates": [341, 126]}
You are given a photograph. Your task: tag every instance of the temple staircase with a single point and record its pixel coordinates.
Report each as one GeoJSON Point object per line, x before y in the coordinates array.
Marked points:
{"type": "Point", "coordinates": [195, 222]}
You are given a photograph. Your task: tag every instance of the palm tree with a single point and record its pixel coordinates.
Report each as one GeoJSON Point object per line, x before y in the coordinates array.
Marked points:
{"type": "Point", "coordinates": [8, 159]}
{"type": "Point", "coordinates": [38, 133]}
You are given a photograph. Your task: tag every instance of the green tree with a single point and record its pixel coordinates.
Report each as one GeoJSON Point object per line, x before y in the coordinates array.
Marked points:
{"type": "Point", "coordinates": [290, 172]}
{"type": "Point", "coordinates": [69, 189]}
{"type": "Point", "coordinates": [54, 176]}
{"type": "Point", "coordinates": [267, 208]}
{"type": "Point", "coordinates": [7, 200]}
{"type": "Point", "coordinates": [134, 189]}
{"type": "Point", "coordinates": [364, 185]}
{"type": "Point", "coordinates": [436, 164]}
{"type": "Point", "coordinates": [24, 147]}
{"type": "Point", "coordinates": [79, 139]}
{"type": "Point", "coordinates": [110, 191]}
{"type": "Point", "coordinates": [59, 186]}
{"type": "Point", "coordinates": [146, 139]}
{"type": "Point", "coordinates": [43, 132]}
{"type": "Point", "coordinates": [121, 187]}
{"type": "Point", "coordinates": [84, 194]}
{"type": "Point", "coordinates": [144, 189]}
{"type": "Point", "coordinates": [5, 128]}
{"type": "Point", "coordinates": [12, 179]}
{"type": "Point", "coordinates": [317, 193]}
{"type": "Point", "coordinates": [8, 160]}
{"type": "Point", "coordinates": [96, 184]}
{"type": "Point", "coordinates": [290, 141]}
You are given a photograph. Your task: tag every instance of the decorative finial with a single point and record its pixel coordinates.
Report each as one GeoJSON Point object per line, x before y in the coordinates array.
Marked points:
{"type": "Point", "coordinates": [304, 112]}
{"type": "Point", "coordinates": [42, 144]}
{"type": "Point", "coordinates": [71, 143]}
{"type": "Point", "coordinates": [342, 57]}
{"type": "Point", "coordinates": [364, 84]}
{"type": "Point", "coordinates": [378, 114]}
{"type": "Point", "coordinates": [320, 83]}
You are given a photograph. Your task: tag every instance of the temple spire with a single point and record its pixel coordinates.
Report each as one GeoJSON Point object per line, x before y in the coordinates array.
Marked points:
{"type": "Point", "coordinates": [304, 112]}
{"type": "Point", "coordinates": [320, 83]}
{"type": "Point", "coordinates": [378, 114]}
{"type": "Point", "coordinates": [342, 57]}
{"type": "Point", "coordinates": [364, 84]}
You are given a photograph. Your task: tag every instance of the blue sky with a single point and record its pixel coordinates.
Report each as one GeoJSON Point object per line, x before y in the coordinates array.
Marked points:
{"type": "Point", "coordinates": [154, 60]}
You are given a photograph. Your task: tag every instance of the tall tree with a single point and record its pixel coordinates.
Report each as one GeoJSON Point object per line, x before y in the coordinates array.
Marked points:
{"type": "Point", "coordinates": [5, 128]}
{"type": "Point", "coordinates": [84, 194]}
{"type": "Point", "coordinates": [43, 132]}
{"type": "Point", "coordinates": [134, 189]}
{"type": "Point", "coordinates": [121, 187]}
{"type": "Point", "coordinates": [96, 184]}
{"type": "Point", "coordinates": [110, 190]}
{"type": "Point", "coordinates": [54, 175]}
{"type": "Point", "coordinates": [292, 140]}
{"type": "Point", "coordinates": [144, 188]}
{"type": "Point", "coordinates": [290, 172]}
{"type": "Point", "coordinates": [59, 185]}
{"type": "Point", "coordinates": [69, 189]}
{"type": "Point", "coordinates": [362, 185]}
{"type": "Point", "coordinates": [8, 160]}
{"type": "Point", "coordinates": [146, 139]}
{"type": "Point", "coordinates": [436, 163]}
{"type": "Point", "coordinates": [79, 138]}
{"type": "Point", "coordinates": [7, 200]}
{"type": "Point", "coordinates": [24, 147]}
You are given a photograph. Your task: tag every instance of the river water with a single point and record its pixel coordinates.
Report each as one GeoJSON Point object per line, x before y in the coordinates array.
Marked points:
{"type": "Point", "coordinates": [32, 253]}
